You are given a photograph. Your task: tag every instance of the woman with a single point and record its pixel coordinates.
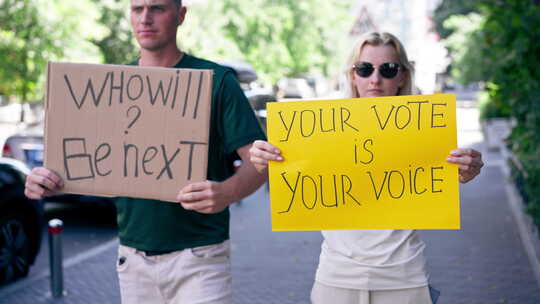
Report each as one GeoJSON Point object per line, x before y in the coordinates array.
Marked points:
{"type": "Point", "coordinates": [374, 266]}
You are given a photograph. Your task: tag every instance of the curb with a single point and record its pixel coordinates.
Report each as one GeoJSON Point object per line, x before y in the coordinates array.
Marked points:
{"type": "Point", "coordinates": [528, 232]}
{"type": "Point", "coordinates": [66, 264]}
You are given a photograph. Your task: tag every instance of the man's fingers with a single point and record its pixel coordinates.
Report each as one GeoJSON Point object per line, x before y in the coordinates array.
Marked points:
{"type": "Point", "coordinates": [198, 206]}
{"type": "Point", "coordinates": [34, 191]}
{"type": "Point", "coordinates": [44, 181]}
{"type": "Point", "coordinates": [193, 196]}
{"type": "Point", "coordinates": [32, 195]}
{"type": "Point", "coordinates": [194, 187]}
{"type": "Point", "coordinates": [48, 174]}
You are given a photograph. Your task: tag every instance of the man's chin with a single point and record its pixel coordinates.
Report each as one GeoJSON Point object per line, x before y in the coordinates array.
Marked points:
{"type": "Point", "coordinates": [150, 45]}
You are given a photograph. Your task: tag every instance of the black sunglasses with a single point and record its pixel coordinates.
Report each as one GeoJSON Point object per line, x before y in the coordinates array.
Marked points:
{"type": "Point", "coordinates": [387, 70]}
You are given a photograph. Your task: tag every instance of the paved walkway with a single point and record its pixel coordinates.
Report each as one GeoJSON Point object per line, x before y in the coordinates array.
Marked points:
{"type": "Point", "coordinates": [484, 262]}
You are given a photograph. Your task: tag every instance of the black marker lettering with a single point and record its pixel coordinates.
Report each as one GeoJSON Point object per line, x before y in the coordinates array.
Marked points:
{"type": "Point", "coordinates": [129, 86]}
{"type": "Point", "coordinates": [311, 128]}
{"type": "Point", "coordinates": [333, 129]}
{"type": "Point", "coordinates": [382, 126]}
{"type": "Point", "coordinates": [175, 89]}
{"type": "Point", "coordinates": [148, 158]}
{"type": "Point", "coordinates": [419, 110]}
{"type": "Point", "coordinates": [167, 163]}
{"type": "Point", "coordinates": [293, 190]}
{"type": "Point", "coordinates": [343, 191]}
{"type": "Point", "coordinates": [190, 158]}
{"type": "Point", "coordinates": [285, 125]}
{"type": "Point", "coordinates": [433, 179]}
{"type": "Point", "coordinates": [408, 120]}
{"type": "Point", "coordinates": [120, 88]}
{"type": "Point", "coordinates": [377, 194]}
{"type": "Point", "coordinates": [153, 97]}
{"type": "Point", "coordinates": [73, 156]}
{"type": "Point", "coordinates": [314, 191]}
{"type": "Point", "coordinates": [433, 115]}
{"type": "Point", "coordinates": [127, 147]}
{"type": "Point", "coordinates": [98, 158]}
{"type": "Point", "coordinates": [344, 120]}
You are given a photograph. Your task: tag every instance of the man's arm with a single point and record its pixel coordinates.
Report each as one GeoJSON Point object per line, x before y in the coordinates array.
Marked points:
{"type": "Point", "coordinates": [212, 197]}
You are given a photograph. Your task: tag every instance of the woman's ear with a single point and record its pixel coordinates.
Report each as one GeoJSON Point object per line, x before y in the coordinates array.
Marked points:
{"type": "Point", "coordinates": [403, 79]}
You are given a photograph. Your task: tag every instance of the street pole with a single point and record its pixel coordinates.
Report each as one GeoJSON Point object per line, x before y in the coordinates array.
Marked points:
{"type": "Point", "coordinates": [55, 257]}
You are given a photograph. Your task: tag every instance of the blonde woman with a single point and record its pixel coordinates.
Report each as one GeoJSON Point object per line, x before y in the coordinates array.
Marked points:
{"type": "Point", "coordinates": [374, 266]}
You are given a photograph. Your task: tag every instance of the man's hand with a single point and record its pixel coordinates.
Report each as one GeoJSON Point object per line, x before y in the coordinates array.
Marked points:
{"type": "Point", "coordinates": [42, 182]}
{"type": "Point", "coordinates": [469, 161]}
{"type": "Point", "coordinates": [205, 197]}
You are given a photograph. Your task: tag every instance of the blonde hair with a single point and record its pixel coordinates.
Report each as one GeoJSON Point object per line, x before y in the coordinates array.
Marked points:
{"type": "Point", "coordinates": [375, 39]}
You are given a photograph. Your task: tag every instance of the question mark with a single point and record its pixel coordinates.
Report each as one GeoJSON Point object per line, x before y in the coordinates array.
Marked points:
{"type": "Point", "coordinates": [136, 116]}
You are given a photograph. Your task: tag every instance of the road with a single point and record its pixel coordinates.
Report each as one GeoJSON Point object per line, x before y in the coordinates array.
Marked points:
{"type": "Point", "coordinates": [85, 227]}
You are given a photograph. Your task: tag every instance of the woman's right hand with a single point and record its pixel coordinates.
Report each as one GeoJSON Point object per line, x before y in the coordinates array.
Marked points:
{"type": "Point", "coordinates": [261, 152]}
{"type": "Point", "coordinates": [42, 182]}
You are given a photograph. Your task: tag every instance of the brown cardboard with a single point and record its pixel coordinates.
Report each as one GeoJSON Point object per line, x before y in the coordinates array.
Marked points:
{"type": "Point", "coordinates": [125, 130]}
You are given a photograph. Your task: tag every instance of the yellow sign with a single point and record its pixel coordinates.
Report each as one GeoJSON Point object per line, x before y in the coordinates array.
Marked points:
{"type": "Point", "coordinates": [366, 163]}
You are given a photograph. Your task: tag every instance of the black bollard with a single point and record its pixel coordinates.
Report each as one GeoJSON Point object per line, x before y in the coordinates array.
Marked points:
{"type": "Point", "coordinates": [55, 257]}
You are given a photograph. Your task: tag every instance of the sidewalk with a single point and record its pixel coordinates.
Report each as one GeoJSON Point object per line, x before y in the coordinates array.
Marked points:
{"type": "Point", "coordinates": [484, 262]}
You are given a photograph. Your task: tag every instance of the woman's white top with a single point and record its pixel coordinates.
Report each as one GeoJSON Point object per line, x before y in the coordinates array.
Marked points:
{"type": "Point", "coordinates": [372, 259]}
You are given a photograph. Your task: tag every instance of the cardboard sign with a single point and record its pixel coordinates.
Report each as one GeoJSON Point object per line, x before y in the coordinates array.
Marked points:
{"type": "Point", "coordinates": [367, 163]}
{"type": "Point", "coordinates": [126, 130]}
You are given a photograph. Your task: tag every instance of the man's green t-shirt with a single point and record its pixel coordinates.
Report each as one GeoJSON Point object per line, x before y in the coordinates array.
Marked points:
{"type": "Point", "coordinates": [152, 225]}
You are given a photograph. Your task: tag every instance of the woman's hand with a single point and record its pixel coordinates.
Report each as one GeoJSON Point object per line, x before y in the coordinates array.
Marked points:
{"type": "Point", "coordinates": [261, 152]}
{"type": "Point", "coordinates": [469, 161]}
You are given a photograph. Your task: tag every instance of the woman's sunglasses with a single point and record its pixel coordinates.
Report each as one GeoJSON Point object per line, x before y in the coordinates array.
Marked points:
{"type": "Point", "coordinates": [387, 70]}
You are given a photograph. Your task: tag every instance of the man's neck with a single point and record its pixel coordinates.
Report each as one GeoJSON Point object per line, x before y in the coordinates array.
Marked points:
{"type": "Point", "coordinates": [161, 58]}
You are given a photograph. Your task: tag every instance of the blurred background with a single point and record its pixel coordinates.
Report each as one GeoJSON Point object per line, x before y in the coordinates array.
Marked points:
{"type": "Point", "coordinates": [487, 52]}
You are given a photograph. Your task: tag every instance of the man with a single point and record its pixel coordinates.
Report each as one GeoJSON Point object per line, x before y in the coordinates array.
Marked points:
{"type": "Point", "coordinates": [179, 253]}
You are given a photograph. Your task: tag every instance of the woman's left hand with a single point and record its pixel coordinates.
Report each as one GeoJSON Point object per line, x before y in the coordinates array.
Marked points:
{"type": "Point", "coordinates": [469, 161]}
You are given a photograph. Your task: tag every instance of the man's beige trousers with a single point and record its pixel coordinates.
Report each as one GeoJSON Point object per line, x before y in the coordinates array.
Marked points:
{"type": "Point", "coordinates": [200, 275]}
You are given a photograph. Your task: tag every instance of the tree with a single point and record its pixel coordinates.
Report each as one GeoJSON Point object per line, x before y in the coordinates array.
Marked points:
{"type": "Point", "coordinates": [116, 45]}
{"type": "Point", "coordinates": [279, 37]}
{"type": "Point", "coordinates": [449, 8]}
{"type": "Point", "coordinates": [27, 42]}
{"type": "Point", "coordinates": [466, 48]}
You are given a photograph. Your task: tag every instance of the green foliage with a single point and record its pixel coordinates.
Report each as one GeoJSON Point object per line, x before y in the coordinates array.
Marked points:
{"type": "Point", "coordinates": [278, 37]}
{"type": "Point", "coordinates": [33, 32]}
{"type": "Point", "coordinates": [27, 41]}
{"type": "Point", "coordinates": [500, 46]}
{"type": "Point", "coordinates": [449, 8]}
{"type": "Point", "coordinates": [469, 64]}
{"type": "Point", "coordinates": [512, 44]}
{"type": "Point", "coordinates": [491, 109]}
{"type": "Point", "coordinates": [116, 45]}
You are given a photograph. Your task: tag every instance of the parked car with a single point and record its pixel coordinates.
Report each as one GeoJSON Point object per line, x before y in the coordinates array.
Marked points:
{"type": "Point", "coordinates": [21, 221]}
{"type": "Point", "coordinates": [26, 146]}
{"type": "Point", "coordinates": [297, 88]}
{"type": "Point", "coordinates": [258, 96]}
